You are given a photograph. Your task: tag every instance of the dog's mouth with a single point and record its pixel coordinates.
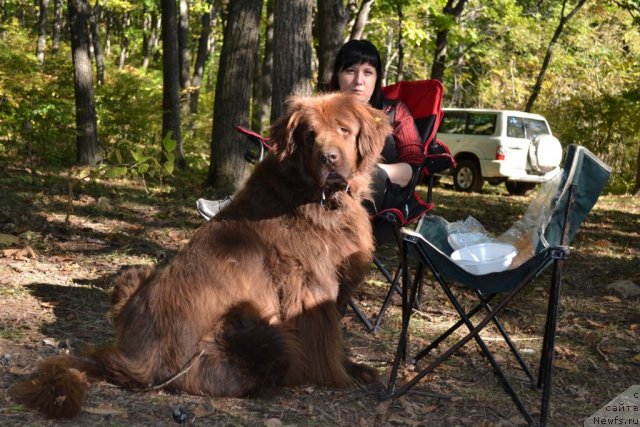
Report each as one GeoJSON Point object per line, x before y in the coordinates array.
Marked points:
{"type": "Point", "coordinates": [334, 185]}
{"type": "Point", "coordinates": [335, 182]}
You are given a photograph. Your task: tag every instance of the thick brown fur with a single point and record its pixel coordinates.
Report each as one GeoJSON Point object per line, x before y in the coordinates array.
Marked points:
{"type": "Point", "coordinates": [257, 289]}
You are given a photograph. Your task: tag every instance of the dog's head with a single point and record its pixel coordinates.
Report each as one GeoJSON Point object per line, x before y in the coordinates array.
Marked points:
{"type": "Point", "coordinates": [336, 137]}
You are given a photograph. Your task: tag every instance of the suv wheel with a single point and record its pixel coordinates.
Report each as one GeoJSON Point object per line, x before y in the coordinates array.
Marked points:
{"type": "Point", "coordinates": [467, 176]}
{"type": "Point", "coordinates": [519, 188]}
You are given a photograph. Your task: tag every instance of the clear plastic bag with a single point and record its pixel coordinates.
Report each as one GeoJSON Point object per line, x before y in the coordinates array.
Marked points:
{"type": "Point", "coordinates": [468, 232]}
{"type": "Point", "coordinates": [525, 233]}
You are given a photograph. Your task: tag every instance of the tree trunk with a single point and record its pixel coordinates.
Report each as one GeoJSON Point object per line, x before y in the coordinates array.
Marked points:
{"type": "Point", "coordinates": [88, 152]}
{"type": "Point", "coordinates": [124, 43]}
{"type": "Point", "coordinates": [227, 168]}
{"type": "Point", "coordinates": [547, 58]}
{"type": "Point", "coordinates": [636, 190]}
{"type": "Point", "coordinates": [185, 53]}
{"type": "Point", "coordinates": [171, 79]}
{"type": "Point", "coordinates": [457, 92]}
{"type": "Point", "coordinates": [291, 39]}
{"type": "Point", "coordinates": [361, 20]}
{"type": "Point", "coordinates": [389, 56]}
{"type": "Point", "coordinates": [57, 23]}
{"type": "Point", "coordinates": [42, 31]}
{"type": "Point", "coordinates": [202, 55]}
{"type": "Point", "coordinates": [262, 100]}
{"type": "Point", "coordinates": [97, 46]}
{"type": "Point", "coordinates": [440, 54]}
{"type": "Point", "coordinates": [150, 41]}
{"type": "Point", "coordinates": [400, 70]}
{"type": "Point", "coordinates": [146, 38]}
{"type": "Point", "coordinates": [107, 34]}
{"type": "Point", "coordinates": [330, 21]}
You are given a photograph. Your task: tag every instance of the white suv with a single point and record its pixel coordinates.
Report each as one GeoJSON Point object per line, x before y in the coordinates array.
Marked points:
{"type": "Point", "coordinates": [513, 147]}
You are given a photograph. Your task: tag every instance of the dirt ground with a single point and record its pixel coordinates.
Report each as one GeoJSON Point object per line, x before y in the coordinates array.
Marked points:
{"type": "Point", "coordinates": [60, 249]}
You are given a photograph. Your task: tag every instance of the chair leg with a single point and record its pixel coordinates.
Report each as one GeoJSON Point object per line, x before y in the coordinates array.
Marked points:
{"type": "Point", "coordinates": [506, 337]}
{"type": "Point", "coordinates": [548, 345]}
{"type": "Point", "coordinates": [454, 348]}
{"type": "Point", "coordinates": [445, 334]}
{"type": "Point", "coordinates": [392, 289]}
{"type": "Point", "coordinates": [487, 353]}
{"type": "Point", "coordinates": [361, 315]}
{"type": "Point", "coordinates": [401, 350]}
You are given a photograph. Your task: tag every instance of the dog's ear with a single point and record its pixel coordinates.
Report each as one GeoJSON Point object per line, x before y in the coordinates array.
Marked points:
{"type": "Point", "coordinates": [282, 131]}
{"type": "Point", "coordinates": [374, 128]}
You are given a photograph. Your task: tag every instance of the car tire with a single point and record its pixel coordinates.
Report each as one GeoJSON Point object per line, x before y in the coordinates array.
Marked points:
{"type": "Point", "coordinates": [467, 176]}
{"type": "Point", "coordinates": [519, 188]}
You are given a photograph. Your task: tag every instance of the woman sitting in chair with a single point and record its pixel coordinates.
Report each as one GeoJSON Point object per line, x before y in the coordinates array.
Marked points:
{"type": "Point", "coordinates": [358, 69]}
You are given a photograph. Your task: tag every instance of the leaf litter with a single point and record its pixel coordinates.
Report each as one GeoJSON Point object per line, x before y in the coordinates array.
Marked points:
{"type": "Point", "coordinates": [54, 282]}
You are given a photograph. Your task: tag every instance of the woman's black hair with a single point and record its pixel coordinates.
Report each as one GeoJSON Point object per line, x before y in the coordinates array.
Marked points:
{"type": "Point", "coordinates": [359, 52]}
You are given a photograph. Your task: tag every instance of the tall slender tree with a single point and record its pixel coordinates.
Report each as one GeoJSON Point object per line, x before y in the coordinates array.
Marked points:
{"type": "Point", "coordinates": [202, 54]}
{"type": "Point", "coordinates": [125, 21]}
{"type": "Point", "coordinates": [57, 19]}
{"type": "Point", "coordinates": [329, 25]}
{"type": "Point", "coordinates": [87, 150]}
{"type": "Point", "coordinates": [361, 20]}
{"type": "Point", "coordinates": [262, 101]}
{"type": "Point", "coordinates": [291, 51]}
{"type": "Point", "coordinates": [184, 51]}
{"type": "Point", "coordinates": [171, 80]}
{"type": "Point", "coordinates": [95, 39]}
{"type": "Point", "coordinates": [535, 91]}
{"type": "Point", "coordinates": [149, 36]}
{"type": "Point", "coordinates": [227, 168]}
{"type": "Point", "coordinates": [42, 30]}
{"type": "Point", "coordinates": [453, 9]}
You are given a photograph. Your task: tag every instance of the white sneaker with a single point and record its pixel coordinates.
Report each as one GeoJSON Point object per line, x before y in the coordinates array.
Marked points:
{"type": "Point", "coordinates": [210, 208]}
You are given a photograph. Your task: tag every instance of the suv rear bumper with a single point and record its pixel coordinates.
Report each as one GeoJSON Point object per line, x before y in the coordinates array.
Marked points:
{"type": "Point", "coordinates": [500, 169]}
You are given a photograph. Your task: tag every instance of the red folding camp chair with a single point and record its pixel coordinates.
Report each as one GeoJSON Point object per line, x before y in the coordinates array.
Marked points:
{"type": "Point", "coordinates": [424, 100]}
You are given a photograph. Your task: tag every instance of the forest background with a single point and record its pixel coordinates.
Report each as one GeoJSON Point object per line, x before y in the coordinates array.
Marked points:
{"type": "Point", "coordinates": [89, 83]}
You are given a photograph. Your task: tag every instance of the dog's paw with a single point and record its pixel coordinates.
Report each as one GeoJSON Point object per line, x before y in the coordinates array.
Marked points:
{"type": "Point", "coordinates": [362, 373]}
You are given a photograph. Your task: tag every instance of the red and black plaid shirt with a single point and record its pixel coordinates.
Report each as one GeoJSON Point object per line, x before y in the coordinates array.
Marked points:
{"type": "Point", "coordinates": [405, 134]}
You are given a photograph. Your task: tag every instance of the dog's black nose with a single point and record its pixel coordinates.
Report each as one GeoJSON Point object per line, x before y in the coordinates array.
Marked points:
{"type": "Point", "coordinates": [331, 156]}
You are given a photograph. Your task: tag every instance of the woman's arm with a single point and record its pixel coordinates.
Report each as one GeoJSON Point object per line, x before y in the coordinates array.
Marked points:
{"type": "Point", "coordinates": [398, 173]}
{"type": "Point", "coordinates": [408, 145]}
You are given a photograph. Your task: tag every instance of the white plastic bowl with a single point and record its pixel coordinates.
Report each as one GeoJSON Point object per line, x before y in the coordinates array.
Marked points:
{"type": "Point", "coordinates": [460, 240]}
{"type": "Point", "coordinates": [485, 258]}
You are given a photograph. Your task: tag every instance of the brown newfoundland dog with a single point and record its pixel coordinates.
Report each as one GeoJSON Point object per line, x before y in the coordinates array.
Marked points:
{"type": "Point", "coordinates": [252, 302]}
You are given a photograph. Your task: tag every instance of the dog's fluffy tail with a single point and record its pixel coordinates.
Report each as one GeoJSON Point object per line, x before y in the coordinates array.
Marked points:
{"type": "Point", "coordinates": [58, 387]}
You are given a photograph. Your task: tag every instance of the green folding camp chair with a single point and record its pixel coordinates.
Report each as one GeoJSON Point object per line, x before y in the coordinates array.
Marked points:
{"type": "Point", "coordinates": [577, 189]}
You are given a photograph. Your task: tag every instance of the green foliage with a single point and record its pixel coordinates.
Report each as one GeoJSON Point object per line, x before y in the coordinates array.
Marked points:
{"type": "Point", "coordinates": [494, 54]}
{"type": "Point", "coordinates": [36, 102]}
{"type": "Point", "coordinates": [37, 113]}
{"type": "Point", "coordinates": [609, 126]}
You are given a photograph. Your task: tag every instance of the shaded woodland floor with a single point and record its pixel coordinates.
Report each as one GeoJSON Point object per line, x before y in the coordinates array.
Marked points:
{"type": "Point", "coordinates": [60, 250]}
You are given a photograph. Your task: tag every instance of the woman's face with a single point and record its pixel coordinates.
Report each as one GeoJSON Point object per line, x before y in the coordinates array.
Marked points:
{"type": "Point", "coordinates": [359, 79]}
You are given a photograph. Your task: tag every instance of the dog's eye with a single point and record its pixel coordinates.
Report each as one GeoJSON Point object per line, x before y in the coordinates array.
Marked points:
{"type": "Point", "coordinates": [344, 131]}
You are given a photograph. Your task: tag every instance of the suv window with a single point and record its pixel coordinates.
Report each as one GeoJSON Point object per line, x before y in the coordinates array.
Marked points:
{"type": "Point", "coordinates": [453, 122]}
{"type": "Point", "coordinates": [515, 127]}
{"type": "Point", "coordinates": [535, 127]}
{"type": "Point", "coordinates": [481, 124]}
